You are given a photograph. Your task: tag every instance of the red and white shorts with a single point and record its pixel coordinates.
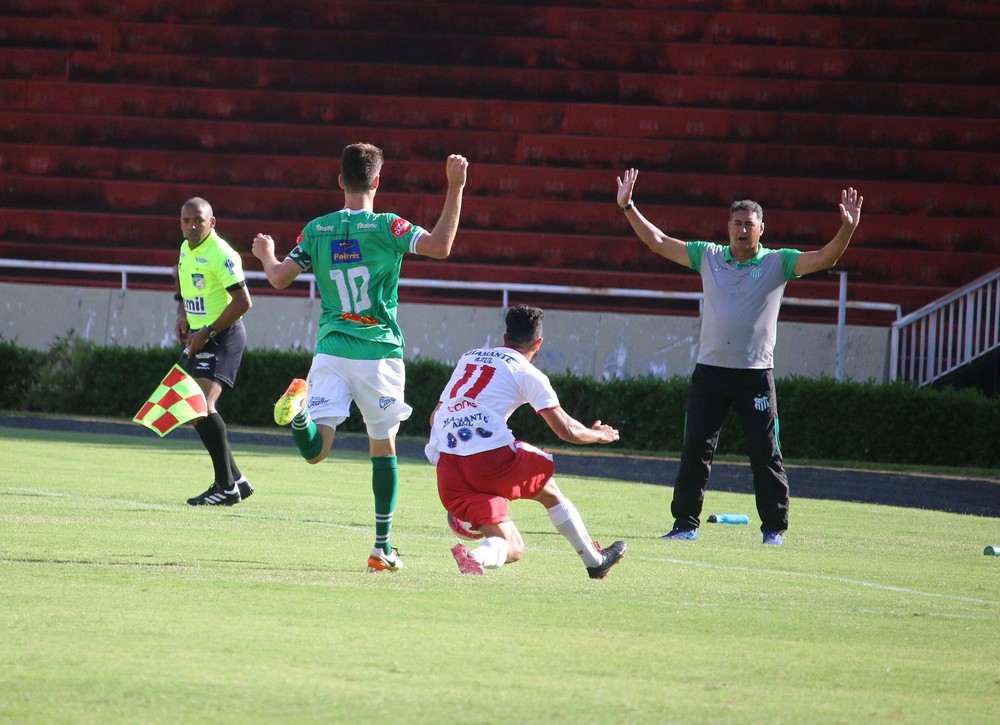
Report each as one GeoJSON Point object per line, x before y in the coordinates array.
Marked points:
{"type": "Point", "coordinates": [477, 488]}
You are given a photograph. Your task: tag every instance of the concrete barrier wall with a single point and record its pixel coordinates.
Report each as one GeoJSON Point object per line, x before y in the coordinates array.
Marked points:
{"type": "Point", "coordinates": [599, 345]}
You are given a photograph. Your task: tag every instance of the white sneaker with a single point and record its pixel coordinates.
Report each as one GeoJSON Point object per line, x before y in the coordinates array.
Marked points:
{"type": "Point", "coordinates": [380, 561]}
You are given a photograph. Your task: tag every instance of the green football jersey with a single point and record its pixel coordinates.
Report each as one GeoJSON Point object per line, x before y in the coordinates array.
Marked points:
{"type": "Point", "coordinates": [205, 274]}
{"type": "Point", "coordinates": [356, 257]}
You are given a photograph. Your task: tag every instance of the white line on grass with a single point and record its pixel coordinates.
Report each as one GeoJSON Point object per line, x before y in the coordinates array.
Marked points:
{"type": "Point", "coordinates": [828, 577]}
{"type": "Point", "coordinates": [685, 562]}
{"type": "Point", "coordinates": [57, 494]}
{"type": "Point", "coordinates": [172, 507]}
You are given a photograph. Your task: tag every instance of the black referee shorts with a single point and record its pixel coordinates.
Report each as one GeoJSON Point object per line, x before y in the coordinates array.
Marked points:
{"type": "Point", "coordinates": [220, 359]}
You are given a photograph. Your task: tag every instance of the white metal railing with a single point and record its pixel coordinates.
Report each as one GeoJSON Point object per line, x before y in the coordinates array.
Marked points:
{"type": "Point", "coordinates": [947, 334]}
{"type": "Point", "coordinates": [124, 270]}
{"type": "Point", "coordinates": [842, 304]}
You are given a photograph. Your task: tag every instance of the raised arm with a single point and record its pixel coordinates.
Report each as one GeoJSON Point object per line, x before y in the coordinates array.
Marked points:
{"type": "Point", "coordinates": [673, 249]}
{"type": "Point", "coordinates": [279, 274]}
{"type": "Point", "coordinates": [437, 243]}
{"type": "Point", "coordinates": [830, 254]}
{"type": "Point", "coordinates": [571, 430]}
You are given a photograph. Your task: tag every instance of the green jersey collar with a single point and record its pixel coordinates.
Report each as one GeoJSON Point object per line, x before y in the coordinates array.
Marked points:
{"type": "Point", "coordinates": [754, 260]}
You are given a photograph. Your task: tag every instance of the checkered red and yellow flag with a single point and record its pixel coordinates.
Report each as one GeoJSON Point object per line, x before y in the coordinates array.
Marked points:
{"type": "Point", "coordinates": [175, 402]}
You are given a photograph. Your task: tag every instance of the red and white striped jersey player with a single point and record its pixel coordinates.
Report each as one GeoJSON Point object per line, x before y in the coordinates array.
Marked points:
{"type": "Point", "coordinates": [480, 464]}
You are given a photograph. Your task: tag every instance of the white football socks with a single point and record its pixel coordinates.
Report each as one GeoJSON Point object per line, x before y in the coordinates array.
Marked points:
{"type": "Point", "coordinates": [567, 521]}
{"type": "Point", "coordinates": [492, 553]}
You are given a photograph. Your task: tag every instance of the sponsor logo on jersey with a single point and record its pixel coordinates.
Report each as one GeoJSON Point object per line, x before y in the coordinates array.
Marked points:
{"type": "Point", "coordinates": [489, 356]}
{"type": "Point", "coordinates": [231, 266]}
{"type": "Point", "coordinates": [466, 421]}
{"type": "Point", "coordinates": [317, 400]}
{"type": "Point", "coordinates": [195, 306]}
{"type": "Point", "coordinates": [400, 227]}
{"type": "Point", "coordinates": [384, 402]}
{"type": "Point", "coordinates": [343, 251]}
{"type": "Point", "coordinates": [198, 280]}
{"type": "Point", "coordinates": [355, 317]}
{"type": "Point", "coordinates": [323, 228]}
{"type": "Point", "coordinates": [302, 235]}
{"type": "Point", "coordinates": [366, 225]}
{"type": "Point", "coordinates": [201, 260]}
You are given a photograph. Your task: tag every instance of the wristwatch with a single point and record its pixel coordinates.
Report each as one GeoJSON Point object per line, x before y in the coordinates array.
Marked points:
{"type": "Point", "coordinates": [630, 205]}
{"type": "Point", "coordinates": [212, 332]}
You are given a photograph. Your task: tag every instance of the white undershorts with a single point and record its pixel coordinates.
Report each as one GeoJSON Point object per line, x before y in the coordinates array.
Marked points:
{"type": "Point", "coordinates": [375, 386]}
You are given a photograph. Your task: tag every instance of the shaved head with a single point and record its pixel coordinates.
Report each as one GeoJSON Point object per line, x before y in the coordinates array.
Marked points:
{"type": "Point", "coordinates": [196, 202]}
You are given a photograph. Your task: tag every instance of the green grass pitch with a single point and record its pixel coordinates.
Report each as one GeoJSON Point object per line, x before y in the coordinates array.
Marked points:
{"type": "Point", "coordinates": [121, 604]}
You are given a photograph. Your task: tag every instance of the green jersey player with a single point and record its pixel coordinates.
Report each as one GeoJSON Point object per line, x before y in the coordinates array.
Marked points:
{"type": "Point", "coordinates": [356, 255]}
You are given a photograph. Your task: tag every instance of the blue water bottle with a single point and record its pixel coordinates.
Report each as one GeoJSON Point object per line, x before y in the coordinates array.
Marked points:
{"type": "Point", "coordinates": [729, 519]}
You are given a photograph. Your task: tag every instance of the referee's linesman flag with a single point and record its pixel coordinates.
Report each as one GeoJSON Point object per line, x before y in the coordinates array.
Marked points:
{"type": "Point", "coordinates": [176, 401]}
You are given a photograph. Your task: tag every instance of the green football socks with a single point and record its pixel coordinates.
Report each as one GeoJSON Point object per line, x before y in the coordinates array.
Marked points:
{"type": "Point", "coordinates": [385, 476]}
{"type": "Point", "coordinates": [306, 435]}
{"type": "Point", "coordinates": [385, 483]}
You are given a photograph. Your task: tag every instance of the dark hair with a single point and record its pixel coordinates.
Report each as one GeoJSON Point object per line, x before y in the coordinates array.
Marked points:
{"type": "Point", "coordinates": [747, 205]}
{"type": "Point", "coordinates": [359, 165]}
{"type": "Point", "coordinates": [524, 325]}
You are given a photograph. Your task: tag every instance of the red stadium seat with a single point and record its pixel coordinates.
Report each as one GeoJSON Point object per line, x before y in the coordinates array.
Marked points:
{"type": "Point", "coordinates": [36, 32]}
{"type": "Point", "coordinates": [112, 114]}
{"type": "Point", "coordinates": [32, 63]}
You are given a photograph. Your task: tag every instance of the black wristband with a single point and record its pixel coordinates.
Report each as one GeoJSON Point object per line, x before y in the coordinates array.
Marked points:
{"type": "Point", "coordinates": [630, 205]}
{"type": "Point", "coordinates": [177, 297]}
